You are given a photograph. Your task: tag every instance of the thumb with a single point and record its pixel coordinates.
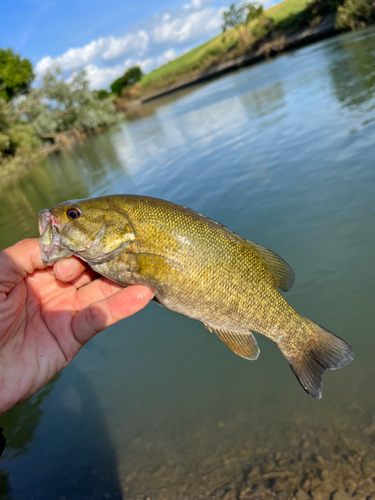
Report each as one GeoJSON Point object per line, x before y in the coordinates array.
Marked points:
{"type": "Point", "coordinates": [105, 312]}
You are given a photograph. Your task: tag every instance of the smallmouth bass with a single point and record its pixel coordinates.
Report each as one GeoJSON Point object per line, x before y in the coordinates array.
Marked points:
{"type": "Point", "coordinates": [198, 268]}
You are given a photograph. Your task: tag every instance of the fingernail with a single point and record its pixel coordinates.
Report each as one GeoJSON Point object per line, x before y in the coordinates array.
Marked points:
{"type": "Point", "coordinates": [64, 268]}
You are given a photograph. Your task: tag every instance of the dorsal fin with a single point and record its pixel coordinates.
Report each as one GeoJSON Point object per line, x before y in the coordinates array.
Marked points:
{"type": "Point", "coordinates": [280, 270]}
{"type": "Point", "coordinates": [243, 344]}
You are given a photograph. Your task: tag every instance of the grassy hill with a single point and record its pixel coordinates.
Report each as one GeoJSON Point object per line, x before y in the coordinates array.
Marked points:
{"type": "Point", "coordinates": [223, 47]}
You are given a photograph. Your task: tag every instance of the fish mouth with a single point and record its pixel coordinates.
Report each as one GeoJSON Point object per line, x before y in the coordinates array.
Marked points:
{"type": "Point", "coordinates": [50, 244]}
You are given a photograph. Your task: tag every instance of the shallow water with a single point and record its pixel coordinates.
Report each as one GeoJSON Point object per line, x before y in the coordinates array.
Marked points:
{"type": "Point", "coordinates": [157, 407]}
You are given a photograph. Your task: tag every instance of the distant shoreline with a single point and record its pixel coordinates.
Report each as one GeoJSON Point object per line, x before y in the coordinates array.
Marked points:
{"type": "Point", "coordinates": [307, 36]}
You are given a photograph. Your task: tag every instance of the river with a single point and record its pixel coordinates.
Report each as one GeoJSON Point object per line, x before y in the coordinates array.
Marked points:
{"type": "Point", "coordinates": [156, 407]}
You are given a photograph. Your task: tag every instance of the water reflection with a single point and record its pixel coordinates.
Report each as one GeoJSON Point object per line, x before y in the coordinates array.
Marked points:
{"type": "Point", "coordinates": [352, 69]}
{"type": "Point", "coordinates": [64, 175]}
{"type": "Point", "coordinates": [169, 137]}
{"type": "Point", "coordinates": [24, 195]}
{"type": "Point", "coordinates": [265, 101]}
{"type": "Point", "coordinates": [21, 421]}
{"type": "Point", "coordinates": [72, 450]}
{"type": "Point", "coordinates": [5, 493]}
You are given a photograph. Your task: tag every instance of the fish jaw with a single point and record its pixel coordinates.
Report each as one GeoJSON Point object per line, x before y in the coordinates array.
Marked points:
{"type": "Point", "coordinates": [50, 243]}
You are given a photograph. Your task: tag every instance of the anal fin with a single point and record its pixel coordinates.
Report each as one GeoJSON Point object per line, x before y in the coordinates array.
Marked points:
{"type": "Point", "coordinates": [243, 344]}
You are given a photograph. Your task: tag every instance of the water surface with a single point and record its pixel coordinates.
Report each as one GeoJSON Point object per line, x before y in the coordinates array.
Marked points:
{"type": "Point", "coordinates": [157, 407]}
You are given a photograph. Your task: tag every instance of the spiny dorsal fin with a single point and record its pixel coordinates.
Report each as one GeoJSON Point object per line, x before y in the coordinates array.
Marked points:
{"type": "Point", "coordinates": [243, 344]}
{"type": "Point", "coordinates": [280, 270]}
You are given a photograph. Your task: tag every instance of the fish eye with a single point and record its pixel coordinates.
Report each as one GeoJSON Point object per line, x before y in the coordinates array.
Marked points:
{"type": "Point", "coordinates": [73, 213]}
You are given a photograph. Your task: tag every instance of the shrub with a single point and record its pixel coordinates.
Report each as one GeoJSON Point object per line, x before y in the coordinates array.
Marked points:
{"type": "Point", "coordinates": [355, 14]}
{"type": "Point", "coordinates": [102, 94]}
{"type": "Point", "coordinates": [131, 76]}
{"type": "Point", "coordinates": [261, 27]}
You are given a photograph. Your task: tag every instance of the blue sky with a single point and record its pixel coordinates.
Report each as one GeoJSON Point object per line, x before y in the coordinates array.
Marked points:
{"type": "Point", "coordinates": [107, 37]}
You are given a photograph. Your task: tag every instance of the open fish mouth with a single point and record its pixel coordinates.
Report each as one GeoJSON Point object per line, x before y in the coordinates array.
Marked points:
{"type": "Point", "coordinates": [50, 244]}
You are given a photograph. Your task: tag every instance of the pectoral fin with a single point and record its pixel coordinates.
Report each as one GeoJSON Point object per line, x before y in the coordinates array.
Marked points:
{"type": "Point", "coordinates": [243, 344]}
{"type": "Point", "coordinates": [147, 264]}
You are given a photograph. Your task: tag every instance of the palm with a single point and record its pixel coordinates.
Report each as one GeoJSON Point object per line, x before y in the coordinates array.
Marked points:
{"type": "Point", "coordinates": [45, 321]}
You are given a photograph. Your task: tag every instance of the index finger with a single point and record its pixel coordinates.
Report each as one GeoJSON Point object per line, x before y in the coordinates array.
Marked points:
{"type": "Point", "coordinates": [18, 261]}
{"type": "Point", "coordinates": [69, 269]}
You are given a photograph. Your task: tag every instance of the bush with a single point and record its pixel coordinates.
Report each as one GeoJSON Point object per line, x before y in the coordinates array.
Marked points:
{"type": "Point", "coordinates": [355, 14]}
{"type": "Point", "coordinates": [132, 76]}
{"type": "Point", "coordinates": [23, 140]}
{"type": "Point", "coordinates": [102, 94]}
{"type": "Point", "coordinates": [261, 27]}
{"type": "Point", "coordinates": [320, 8]}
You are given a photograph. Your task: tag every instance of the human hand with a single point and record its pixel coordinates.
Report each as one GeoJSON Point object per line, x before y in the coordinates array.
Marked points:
{"type": "Point", "coordinates": [48, 314]}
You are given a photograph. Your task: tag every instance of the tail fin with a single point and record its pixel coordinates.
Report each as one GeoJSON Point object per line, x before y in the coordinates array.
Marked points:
{"type": "Point", "coordinates": [323, 351]}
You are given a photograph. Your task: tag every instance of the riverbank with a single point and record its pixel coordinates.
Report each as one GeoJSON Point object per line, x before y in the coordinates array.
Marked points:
{"type": "Point", "coordinates": [286, 26]}
{"type": "Point", "coordinates": [270, 47]}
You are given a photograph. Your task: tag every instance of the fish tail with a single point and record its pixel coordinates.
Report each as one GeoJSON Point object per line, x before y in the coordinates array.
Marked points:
{"type": "Point", "coordinates": [322, 350]}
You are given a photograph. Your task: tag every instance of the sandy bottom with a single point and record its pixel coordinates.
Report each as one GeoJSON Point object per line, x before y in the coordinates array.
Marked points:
{"type": "Point", "coordinates": [279, 454]}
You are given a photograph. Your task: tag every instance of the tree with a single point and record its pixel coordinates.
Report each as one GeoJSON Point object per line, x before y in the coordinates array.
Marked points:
{"type": "Point", "coordinates": [66, 106]}
{"type": "Point", "coordinates": [254, 10]}
{"type": "Point", "coordinates": [102, 94]}
{"type": "Point", "coordinates": [59, 111]}
{"type": "Point", "coordinates": [131, 76]}
{"type": "Point", "coordinates": [16, 136]}
{"type": "Point", "coordinates": [235, 16]}
{"type": "Point", "coordinates": [16, 74]}
{"type": "Point", "coordinates": [241, 13]}
{"type": "Point", "coordinates": [355, 14]}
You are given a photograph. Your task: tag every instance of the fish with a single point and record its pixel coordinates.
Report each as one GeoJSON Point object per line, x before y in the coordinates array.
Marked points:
{"type": "Point", "coordinates": [198, 268]}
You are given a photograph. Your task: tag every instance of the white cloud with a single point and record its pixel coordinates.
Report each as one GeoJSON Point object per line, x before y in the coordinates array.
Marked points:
{"type": "Point", "coordinates": [130, 43]}
{"type": "Point", "coordinates": [188, 27]}
{"type": "Point", "coordinates": [157, 41]}
{"type": "Point", "coordinates": [101, 78]}
{"type": "Point", "coordinates": [104, 48]}
{"type": "Point", "coordinates": [196, 4]}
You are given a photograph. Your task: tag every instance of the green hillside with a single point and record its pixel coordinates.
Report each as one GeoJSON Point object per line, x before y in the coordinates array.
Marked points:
{"type": "Point", "coordinates": [220, 48]}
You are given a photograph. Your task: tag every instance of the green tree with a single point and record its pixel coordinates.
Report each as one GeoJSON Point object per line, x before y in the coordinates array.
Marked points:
{"type": "Point", "coordinates": [59, 111]}
{"type": "Point", "coordinates": [254, 11]}
{"type": "Point", "coordinates": [102, 94]}
{"type": "Point", "coordinates": [235, 16]}
{"type": "Point", "coordinates": [355, 14]}
{"type": "Point", "coordinates": [16, 74]}
{"type": "Point", "coordinates": [131, 76]}
{"type": "Point", "coordinates": [16, 136]}
{"type": "Point", "coordinates": [60, 107]}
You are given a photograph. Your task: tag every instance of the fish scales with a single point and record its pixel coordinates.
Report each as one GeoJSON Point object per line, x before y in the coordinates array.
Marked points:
{"type": "Point", "coordinates": [240, 293]}
{"type": "Point", "coordinates": [198, 268]}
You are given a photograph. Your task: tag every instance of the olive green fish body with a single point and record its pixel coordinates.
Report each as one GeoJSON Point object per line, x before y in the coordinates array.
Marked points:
{"type": "Point", "coordinates": [198, 268]}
